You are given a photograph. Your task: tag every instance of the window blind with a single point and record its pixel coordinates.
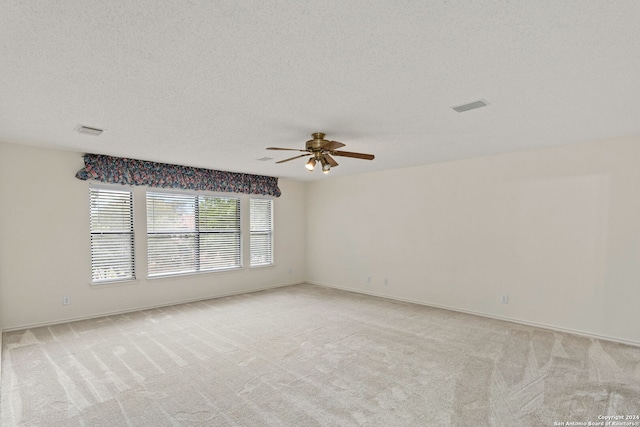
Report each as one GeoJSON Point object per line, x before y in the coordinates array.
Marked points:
{"type": "Point", "coordinates": [111, 224]}
{"type": "Point", "coordinates": [192, 233]}
{"type": "Point", "coordinates": [261, 232]}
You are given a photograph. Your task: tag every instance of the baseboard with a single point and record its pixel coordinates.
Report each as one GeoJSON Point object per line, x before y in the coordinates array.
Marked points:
{"type": "Point", "coordinates": [358, 291]}
{"type": "Point", "coordinates": [148, 307]}
{"type": "Point", "coordinates": [487, 315]}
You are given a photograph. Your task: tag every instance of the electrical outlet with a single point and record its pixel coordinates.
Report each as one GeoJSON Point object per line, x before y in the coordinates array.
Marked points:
{"type": "Point", "coordinates": [386, 281]}
{"type": "Point", "coordinates": [66, 300]}
{"type": "Point", "coordinates": [368, 279]}
{"type": "Point", "coordinates": [504, 299]}
{"type": "Point", "coordinates": [290, 271]}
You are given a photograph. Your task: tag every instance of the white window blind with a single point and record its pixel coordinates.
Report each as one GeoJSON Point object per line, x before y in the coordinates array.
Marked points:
{"type": "Point", "coordinates": [261, 232]}
{"type": "Point", "coordinates": [192, 233]}
{"type": "Point", "coordinates": [111, 223]}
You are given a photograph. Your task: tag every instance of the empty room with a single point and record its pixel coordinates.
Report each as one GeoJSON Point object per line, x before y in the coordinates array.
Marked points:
{"type": "Point", "coordinates": [245, 213]}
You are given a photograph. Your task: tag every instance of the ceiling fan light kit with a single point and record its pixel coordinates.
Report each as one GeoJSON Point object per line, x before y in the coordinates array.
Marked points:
{"type": "Point", "coordinates": [311, 164]}
{"type": "Point", "coordinates": [321, 151]}
{"type": "Point", "coordinates": [326, 167]}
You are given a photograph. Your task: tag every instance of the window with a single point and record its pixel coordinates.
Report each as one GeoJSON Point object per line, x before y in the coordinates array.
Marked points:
{"type": "Point", "coordinates": [261, 232]}
{"type": "Point", "coordinates": [192, 233]}
{"type": "Point", "coordinates": [111, 223]}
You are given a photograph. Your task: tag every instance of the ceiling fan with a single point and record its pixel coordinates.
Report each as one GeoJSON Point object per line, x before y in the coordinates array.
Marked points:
{"type": "Point", "coordinates": [321, 151]}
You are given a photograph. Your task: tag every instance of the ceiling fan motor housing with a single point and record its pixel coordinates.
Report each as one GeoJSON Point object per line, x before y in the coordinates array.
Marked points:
{"type": "Point", "coordinates": [317, 142]}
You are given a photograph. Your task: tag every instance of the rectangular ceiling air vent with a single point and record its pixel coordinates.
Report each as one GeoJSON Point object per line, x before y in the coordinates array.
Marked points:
{"type": "Point", "coordinates": [471, 106]}
{"type": "Point", "coordinates": [87, 130]}
{"type": "Point", "coordinates": [264, 159]}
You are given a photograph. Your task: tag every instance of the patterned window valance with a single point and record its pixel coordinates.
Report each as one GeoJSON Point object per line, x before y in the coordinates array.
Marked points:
{"type": "Point", "coordinates": [117, 170]}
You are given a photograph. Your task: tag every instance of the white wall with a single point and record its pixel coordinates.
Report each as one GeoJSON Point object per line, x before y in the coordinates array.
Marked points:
{"type": "Point", "coordinates": [558, 230]}
{"type": "Point", "coordinates": [45, 251]}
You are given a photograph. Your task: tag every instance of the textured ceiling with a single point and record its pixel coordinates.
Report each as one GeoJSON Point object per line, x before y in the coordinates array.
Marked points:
{"type": "Point", "coordinates": [211, 84]}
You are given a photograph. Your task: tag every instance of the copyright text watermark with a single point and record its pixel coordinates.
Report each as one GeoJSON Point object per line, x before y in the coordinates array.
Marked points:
{"type": "Point", "coordinates": [605, 421]}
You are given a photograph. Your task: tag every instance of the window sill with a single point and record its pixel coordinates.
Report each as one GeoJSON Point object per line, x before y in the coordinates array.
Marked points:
{"type": "Point", "coordinates": [261, 266]}
{"type": "Point", "coordinates": [194, 274]}
{"type": "Point", "coordinates": [113, 283]}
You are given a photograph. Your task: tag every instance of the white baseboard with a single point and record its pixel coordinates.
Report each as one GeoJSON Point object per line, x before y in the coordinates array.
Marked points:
{"type": "Point", "coordinates": [491, 316]}
{"type": "Point", "coordinates": [359, 291]}
{"type": "Point", "coordinates": [148, 307]}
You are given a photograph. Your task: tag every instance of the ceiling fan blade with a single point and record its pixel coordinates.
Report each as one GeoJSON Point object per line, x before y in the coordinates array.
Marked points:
{"type": "Point", "coordinates": [330, 160]}
{"type": "Point", "coordinates": [354, 155]}
{"type": "Point", "coordinates": [296, 157]}
{"type": "Point", "coordinates": [288, 149]}
{"type": "Point", "coordinates": [332, 145]}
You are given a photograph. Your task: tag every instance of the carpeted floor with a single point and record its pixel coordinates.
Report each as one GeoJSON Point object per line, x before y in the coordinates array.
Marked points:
{"type": "Point", "coordinates": [310, 356]}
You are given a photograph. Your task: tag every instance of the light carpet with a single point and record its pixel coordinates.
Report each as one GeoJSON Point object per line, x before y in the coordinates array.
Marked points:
{"type": "Point", "coordinates": [310, 356]}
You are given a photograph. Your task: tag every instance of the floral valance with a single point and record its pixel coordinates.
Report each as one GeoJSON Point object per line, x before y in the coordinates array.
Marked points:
{"type": "Point", "coordinates": [117, 170]}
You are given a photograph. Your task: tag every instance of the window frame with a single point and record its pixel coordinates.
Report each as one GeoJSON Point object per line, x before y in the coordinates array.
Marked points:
{"type": "Point", "coordinates": [131, 233]}
{"type": "Point", "coordinates": [270, 233]}
{"type": "Point", "coordinates": [196, 195]}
